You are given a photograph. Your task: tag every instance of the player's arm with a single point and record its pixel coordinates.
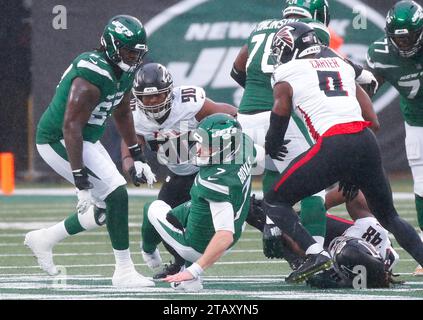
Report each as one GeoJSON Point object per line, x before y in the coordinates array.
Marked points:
{"type": "Point", "coordinates": [223, 220]}
{"type": "Point", "coordinates": [140, 171]}
{"type": "Point", "coordinates": [238, 72]}
{"type": "Point", "coordinates": [124, 121]}
{"type": "Point", "coordinates": [279, 119]}
{"type": "Point", "coordinates": [127, 161]}
{"type": "Point", "coordinates": [82, 100]}
{"type": "Point", "coordinates": [210, 107]}
{"type": "Point", "coordinates": [367, 110]}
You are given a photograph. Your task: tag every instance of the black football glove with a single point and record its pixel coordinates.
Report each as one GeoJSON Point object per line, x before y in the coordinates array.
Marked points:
{"type": "Point", "coordinates": [80, 177]}
{"type": "Point", "coordinates": [278, 154]}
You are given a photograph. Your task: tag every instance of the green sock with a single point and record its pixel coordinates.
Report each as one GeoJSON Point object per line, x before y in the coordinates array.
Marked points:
{"type": "Point", "coordinates": [150, 237]}
{"type": "Point", "coordinates": [117, 218]}
{"type": "Point", "coordinates": [269, 178]}
{"type": "Point", "coordinates": [313, 215]}
{"type": "Point", "coordinates": [72, 224]}
{"type": "Point", "coordinates": [419, 208]}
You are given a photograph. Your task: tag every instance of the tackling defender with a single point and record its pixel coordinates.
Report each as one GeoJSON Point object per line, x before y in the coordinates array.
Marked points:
{"type": "Point", "coordinates": [345, 149]}
{"type": "Point", "coordinates": [164, 117]}
{"type": "Point", "coordinates": [95, 86]}
{"type": "Point", "coordinates": [397, 58]}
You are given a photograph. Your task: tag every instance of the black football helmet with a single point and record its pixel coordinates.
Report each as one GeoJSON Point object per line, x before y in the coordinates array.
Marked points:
{"type": "Point", "coordinates": [153, 79]}
{"type": "Point", "coordinates": [348, 252]}
{"type": "Point", "coordinates": [293, 41]}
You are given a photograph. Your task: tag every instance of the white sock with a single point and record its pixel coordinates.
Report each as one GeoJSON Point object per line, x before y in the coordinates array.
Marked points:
{"type": "Point", "coordinates": [123, 259]}
{"type": "Point", "coordinates": [320, 240]}
{"type": "Point", "coordinates": [421, 235]}
{"type": "Point", "coordinates": [56, 233]}
{"type": "Point", "coordinates": [314, 249]}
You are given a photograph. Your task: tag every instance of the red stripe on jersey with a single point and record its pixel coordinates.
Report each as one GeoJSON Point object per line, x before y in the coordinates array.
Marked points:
{"type": "Point", "coordinates": [310, 126]}
{"type": "Point", "coordinates": [313, 151]}
{"type": "Point", "coordinates": [347, 128]}
{"type": "Point", "coordinates": [331, 216]}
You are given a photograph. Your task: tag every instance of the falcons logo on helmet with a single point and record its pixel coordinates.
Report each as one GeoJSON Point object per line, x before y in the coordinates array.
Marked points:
{"type": "Point", "coordinates": [284, 37]}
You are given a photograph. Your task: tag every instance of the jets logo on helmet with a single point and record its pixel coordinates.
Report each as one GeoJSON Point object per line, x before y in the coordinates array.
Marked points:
{"type": "Point", "coordinates": [124, 41]}
{"type": "Point", "coordinates": [219, 139]}
{"type": "Point", "coordinates": [404, 28]}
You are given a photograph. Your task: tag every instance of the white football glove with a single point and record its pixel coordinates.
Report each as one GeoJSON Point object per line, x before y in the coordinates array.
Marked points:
{"type": "Point", "coordinates": [143, 170]}
{"type": "Point", "coordinates": [84, 200]}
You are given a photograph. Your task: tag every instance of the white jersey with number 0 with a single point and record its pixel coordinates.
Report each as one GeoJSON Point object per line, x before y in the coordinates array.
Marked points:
{"type": "Point", "coordinates": [324, 92]}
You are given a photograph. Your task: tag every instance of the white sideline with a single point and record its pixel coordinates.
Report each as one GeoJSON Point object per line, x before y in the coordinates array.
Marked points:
{"type": "Point", "coordinates": [148, 193]}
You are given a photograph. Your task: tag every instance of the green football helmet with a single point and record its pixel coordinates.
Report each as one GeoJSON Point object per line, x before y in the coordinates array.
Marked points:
{"type": "Point", "coordinates": [125, 42]}
{"type": "Point", "coordinates": [218, 138]}
{"type": "Point", "coordinates": [313, 9]}
{"type": "Point", "coordinates": [404, 28]}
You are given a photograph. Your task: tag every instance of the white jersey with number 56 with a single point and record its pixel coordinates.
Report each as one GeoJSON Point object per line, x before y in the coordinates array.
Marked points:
{"type": "Point", "coordinates": [324, 92]}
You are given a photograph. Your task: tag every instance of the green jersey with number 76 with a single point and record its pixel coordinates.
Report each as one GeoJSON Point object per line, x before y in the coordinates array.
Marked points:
{"type": "Point", "coordinates": [258, 93]}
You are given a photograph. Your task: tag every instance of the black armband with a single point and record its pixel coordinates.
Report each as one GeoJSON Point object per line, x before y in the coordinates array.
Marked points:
{"type": "Point", "coordinates": [136, 153]}
{"type": "Point", "coordinates": [239, 76]}
{"type": "Point", "coordinates": [276, 133]}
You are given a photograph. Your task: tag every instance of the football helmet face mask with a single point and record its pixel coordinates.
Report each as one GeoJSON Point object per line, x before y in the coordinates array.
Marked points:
{"type": "Point", "coordinates": [218, 139]}
{"type": "Point", "coordinates": [125, 42]}
{"type": "Point", "coordinates": [313, 9]}
{"type": "Point", "coordinates": [404, 28]}
{"type": "Point", "coordinates": [348, 253]}
{"type": "Point", "coordinates": [293, 41]}
{"type": "Point", "coordinates": [153, 86]}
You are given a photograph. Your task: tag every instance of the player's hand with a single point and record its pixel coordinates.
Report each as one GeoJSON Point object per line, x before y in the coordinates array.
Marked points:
{"type": "Point", "coordinates": [278, 153]}
{"type": "Point", "coordinates": [141, 173]}
{"type": "Point", "coordinates": [84, 201]}
{"type": "Point", "coordinates": [179, 277]}
{"type": "Point", "coordinates": [349, 190]}
{"type": "Point", "coordinates": [83, 185]}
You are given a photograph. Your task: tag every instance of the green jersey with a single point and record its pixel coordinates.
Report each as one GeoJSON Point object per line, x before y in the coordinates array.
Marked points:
{"type": "Point", "coordinates": [258, 93]}
{"type": "Point", "coordinates": [220, 183]}
{"type": "Point", "coordinates": [93, 67]}
{"type": "Point", "coordinates": [405, 74]}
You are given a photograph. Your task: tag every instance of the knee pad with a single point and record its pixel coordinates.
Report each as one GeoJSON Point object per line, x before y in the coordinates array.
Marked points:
{"type": "Point", "coordinates": [157, 209]}
{"type": "Point", "coordinates": [94, 217]}
{"type": "Point", "coordinates": [99, 216]}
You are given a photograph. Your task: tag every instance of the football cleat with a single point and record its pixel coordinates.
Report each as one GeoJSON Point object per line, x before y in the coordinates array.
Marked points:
{"type": "Point", "coordinates": [193, 285]}
{"type": "Point", "coordinates": [130, 278]}
{"type": "Point", "coordinates": [42, 250]}
{"type": "Point", "coordinates": [153, 260]}
{"type": "Point", "coordinates": [168, 270]}
{"type": "Point", "coordinates": [312, 264]}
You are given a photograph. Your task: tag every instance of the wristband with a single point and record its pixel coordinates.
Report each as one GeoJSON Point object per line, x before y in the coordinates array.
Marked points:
{"type": "Point", "coordinates": [195, 270]}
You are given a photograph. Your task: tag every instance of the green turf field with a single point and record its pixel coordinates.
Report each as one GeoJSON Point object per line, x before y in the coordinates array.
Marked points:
{"type": "Point", "coordinates": [87, 262]}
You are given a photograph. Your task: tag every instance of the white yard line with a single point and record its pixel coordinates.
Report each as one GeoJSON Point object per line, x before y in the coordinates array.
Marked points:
{"type": "Point", "coordinates": [147, 193]}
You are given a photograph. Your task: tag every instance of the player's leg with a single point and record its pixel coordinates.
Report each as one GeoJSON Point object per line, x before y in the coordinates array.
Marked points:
{"type": "Point", "coordinates": [289, 190]}
{"type": "Point", "coordinates": [42, 241]}
{"type": "Point", "coordinates": [170, 229]}
{"type": "Point", "coordinates": [109, 188]}
{"type": "Point", "coordinates": [375, 186]}
{"type": "Point", "coordinates": [174, 191]}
